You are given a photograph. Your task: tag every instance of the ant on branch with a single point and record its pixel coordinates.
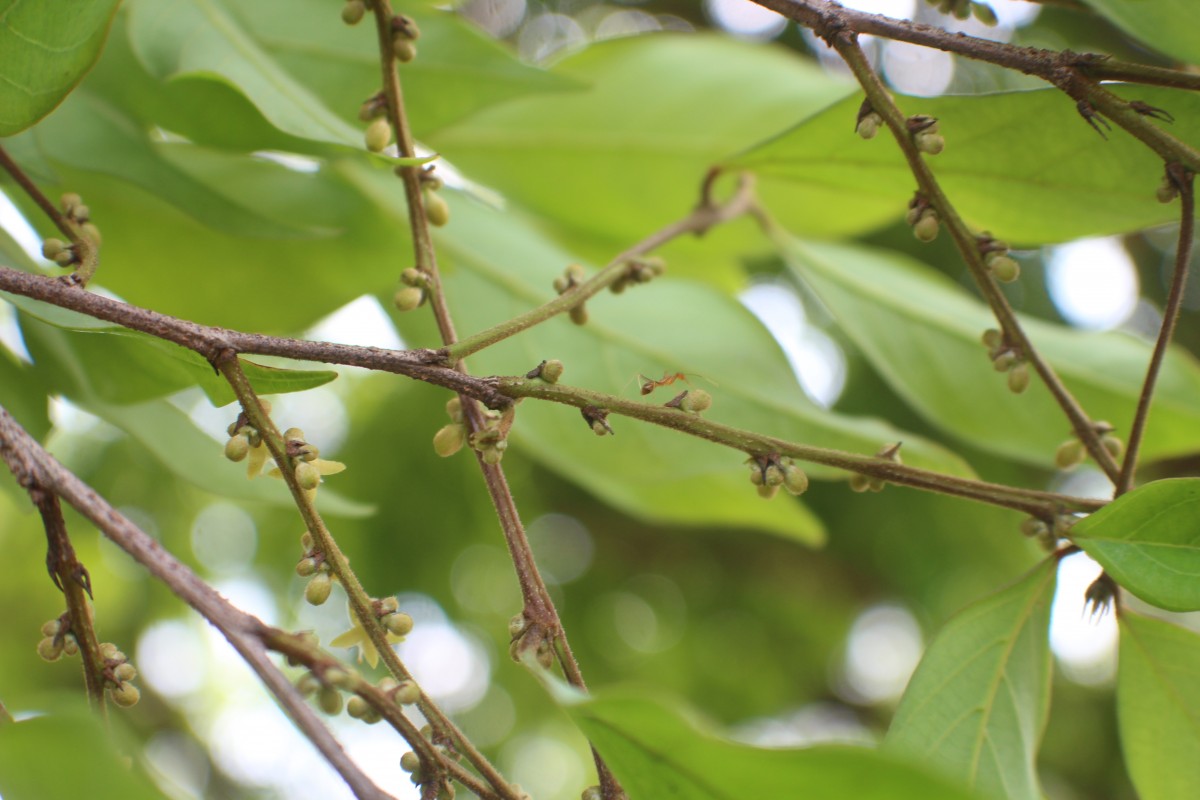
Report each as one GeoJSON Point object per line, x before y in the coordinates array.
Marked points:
{"type": "Point", "coordinates": [648, 385]}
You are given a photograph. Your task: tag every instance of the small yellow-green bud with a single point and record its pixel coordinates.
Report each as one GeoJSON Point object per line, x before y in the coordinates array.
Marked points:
{"type": "Point", "coordinates": [1018, 378]}
{"type": "Point", "coordinates": [773, 476]}
{"type": "Point", "coordinates": [378, 135]}
{"type": "Point", "coordinates": [330, 700]}
{"type": "Point", "coordinates": [51, 628]}
{"type": "Point", "coordinates": [492, 455]}
{"type": "Point", "coordinates": [52, 247]}
{"type": "Point", "coordinates": [406, 51]}
{"type": "Point", "coordinates": [306, 567]}
{"type": "Point", "coordinates": [70, 645]}
{"type": "Point", "coordinates": [307, 541]}
{"type": "Point", "coordinates": [50, 649]}
{"type": "Point", "coordinates": [868, 126]}
{"type": "Point", "coordinates": [449, 439]}
{"type": "Point", "coordinates": [125, 694]}
{"type": "Point", "coordinates": [1034, 527]}
{"type": "Point", "coordinates": [1003, 268]}
{"type": "Point", "coordinates": [695, 401]}
{"type": "Point", "coordinates": [1166, 193]}
{"type": "Point", "coordinates": [125, 672]}
{"type": "Point", "coordinates": [110, 651]}
{"type": "Point", "coordinates": [794, 479]}
{"type": "Point", "coordinates": [66, 258]}
{"type": "Point", "coordinates": [407, 693]}
{"type": "Point", "coordinates": [319, 588]}
{"type": "Point", "coordinates": [307, 476]}
{"type": "Point", "coordinates": [860, 483]}
{"type": "Point", "coordinates": [579, 314]}
{"type": "Point", "coordinates": [357, 707]}
{"type": "Point", "coordinates": [552, 370]}
{"type": "Point", "coordinates": [410, 762]}
{"type": "Point", "coordinates": [767, 492]}
{"type": "Point", "coordinates": [69, 201]}
{"type": "Point", "coordinates": [408, 298]}
{"type": "Point", "coordinates": [437, 211]}
{"type": "Point", "coordinates": [398, 623]}
{"type": "Point", "coordinates": [1112, 444]}
{"type": "Point", "coordinates": [237, 448]}
{"type": "Point", "coordinates": [1005, 361]}
{"type": "Point", "coordinates": [353, 11]}
{"type": "Point", "coordinates": [930, 142]}
{"type": "Point", "coordinates": [992, 339]}
{"type": "Point", "coordinates": [1070, 454]}
{"type": "Point", "coordinates": [412, 277]}
{"type": "Point", "coordinates": [307, 684]}
{"type": "Point", "coordinates": [926, 229]}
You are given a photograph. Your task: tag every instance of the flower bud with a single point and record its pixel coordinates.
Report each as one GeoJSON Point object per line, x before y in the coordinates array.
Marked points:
{"type": "Point", "coordinates": [767, 492]}
{"type": "Point", "coordinates": [929, 142]}
{"type": "Point", "coordinates": [926, 229]}
{"type": "Point", "coordinates": [437, 211]}
{"type": "Point", "coordinates": [1070, 454]}
{"type": "Point", "coordinates": [52, 247]}
{"type": "Point", "coordinates": [51, 628]}
{"type": "Point", "coordinates": [405, 50]}
{"type": "Point", "coordinates": [306, 567]}
{"type": "Point", "coordinates": [378, 135]}
{"type": "Point", "coordinates": [794, 479]}
{"type": "Point", "coordinates": [695, 401]}
{"type": "Point", "coordinates": [319, 588]}
{"type": "Point", "coordinates": [125, 694]}
{"type": "Point", "coordinates": [330, 700]}
{"type": "Point", "coordinates": [50, 649]}
{"type": "Point", "coordinates": [551, 371]}
{"type": "Point", "coordinates": [1018, 378]}
{"type": "Point", "coordinates": [449, 439]}
{"type": "Point", "coordinates": [407, 693]}
{"type": "Point", "coordinates": [1113, 445]}
{"type": "Point", "coordinates": [357, 707]}
{"type": "Point", "coordinates": [353, 11]}
{"type": "Point", "coordinates": [868, 126]}
{"type": "Point", "coordinates": [410, 762]}
{"type": "Point", "coordinates": [398, 623]}
{"type": "Point", "coordinates": [408, 298]}
{"type": "Point", "coordinates": [579, 314]}
{"type": "Point", "coordinates": [860, 483]}
{"type": "Point", "coordinates": [125, 672]}
{"type": "Point", "coordinates": [1003, 268]}
{"type": "Point", "coordinates": [237, 448]}
{"type": "Point", "coordinates": [307, 476]}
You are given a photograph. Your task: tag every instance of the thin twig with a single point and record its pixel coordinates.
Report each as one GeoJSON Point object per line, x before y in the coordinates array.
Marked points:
{"type": "Point", "coordinates": [31, 465]}
{"type": "Point", "coordinates": [72, 578]}
{"type": "Point", "coordinates": [881, 101]}
{"type": "Point", "coordinates": [1182, 179]}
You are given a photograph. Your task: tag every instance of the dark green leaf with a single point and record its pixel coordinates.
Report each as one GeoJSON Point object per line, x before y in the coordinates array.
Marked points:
{"type": "Point", "coordinates": [22, 395]}
{"type": "Point", "coordinates": [45, 48]}
{"type": "Point", "coordinates": [70, 731]}
{"type": "Point", "coordinates": [977, 704]}
{"type": "Point", "coordinates": [1158, 706]}
{"type": "Point", "coordinates": [922, 333]}
{"type": "Point", "coordinates": [635, 146]}
{"type": "Point", "coordinates": [656, 752]}
{"type": "Point", "coordinates": [1167, 26]}
{"type": "Point", "coordinates": [1022, 165]}
{"type": "Point", "coordinates": [1149, 541]}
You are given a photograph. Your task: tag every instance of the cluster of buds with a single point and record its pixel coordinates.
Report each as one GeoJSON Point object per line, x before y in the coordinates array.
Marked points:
{"type": "Point", "coordinates": [450, 438]}
{"type": "Point", "coordinates": [415, 289]}
{"type": "Point", "coordinates": [491, 440]}
{"type": "Point", "coordinates": [1071, 452]}
{"type": "Point", "coordinates": [308, 466]}
{"type": "Point", "coordinates": [868, 121]}
{"type": "Point", "coordinates": [693, 401]}
{"type": "Point", "coordinates": [1176, 177]}
{"type": "Point", "coordinates": [327, 684]}
{"type": "Point", "coordinates": [118, 676]}
{"type": "Point", "coordinates": [63, 253]}
{"type": "Point", "coordinates": [597, 420]}
{"type": "Point", "coordinates": [404, 37]}
{"type": "Point", "coordinates": [638, 270]}
{"type": "Point", "coordinates": [437, 211]}
{"type": "Point", "coordinates": [246, 442]}
{"type": "Point", "coordinates": [1006, 357]}
{"type": "Point", "coordinates": [1047, 532]}
{"type": "Point", "coordinates": [519, 630]}
{"type": "Point", "coordinates": [391, 617]}
{"type": "Point", "coordinates": [997, 260]}
{"type": "Point", "coordinates": [923, 218]}
{"type": "Point", "coordinates": [868, 483]}
{"type": "Point", "coordinates": [58, 639]}
{"type": "Point", "coordinates": [924, 132]}
{"type": "Point", "coordinates": [573, 276]}
{"type": "Point", "coordinates": [961, 9]}
{"type": "Point", "coordinates": [312, 565]}
{"type": "Point", "coordinates": [772, 471]}
{"type": "Point", "coordinates": [549, 371]}
{"type": "Point", "coordinates": [410, 762]}
{"type": "Point", "coordinates": [400, 692]}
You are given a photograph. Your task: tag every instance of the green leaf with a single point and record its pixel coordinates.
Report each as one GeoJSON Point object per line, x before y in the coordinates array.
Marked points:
{"type": "Point", "coordinates": [1158, 707]}
{"type": "Point", "coordinates": [201, 40]}
{"type": "Point", "coordinates": [97, 770]}
{"type": "Point", "coordinates": [45, 49]}
{"type": "Point", "coordinates": [657, 752]}
{"type": "Point", "coordinates": [1022, 165]}
{"type": "Point", "coordinates": [637, 144]}
{"type": "Point", "coordinates": [22, 395]}
{"type": "Point", "coordinates": [977, 704]}
{"type": "Point", "coordinates": [498, 265]}
{"type": "Point", "coordinates": [1167, 26]}
{"type": "Point", "coordinates": [1148, 540]}
{"type": "Point", "coordinates": [921, 332]}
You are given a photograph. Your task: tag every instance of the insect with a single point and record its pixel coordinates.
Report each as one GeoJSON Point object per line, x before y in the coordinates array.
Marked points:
{"type": "Point", "coordinates": [649, 384]}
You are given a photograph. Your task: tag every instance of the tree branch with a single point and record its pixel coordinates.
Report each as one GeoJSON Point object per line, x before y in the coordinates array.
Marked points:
{"type": "Point", "coordinates": [32, 465]}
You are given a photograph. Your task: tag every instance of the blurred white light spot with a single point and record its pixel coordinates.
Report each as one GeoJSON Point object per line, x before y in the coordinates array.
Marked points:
{"type": "Point", "coordinates": [547, 35]}
{"type": "Point", "coordinates": [563, 546]}
{"type": "Point", "coordinates": [1093, 282]}
{"type": "Point", "coordinates": [224, 537]}
{"type": "Point", "coordinates": [24, 234]}
{"type": "Point", "coordinates": [172, 658]}
{"type": "Point", "coordinates": [450, 665]}
{"type": "Point", "coordinates": [71, 419]}
{"type": "Point", "coordinates": [252, 596]}
{"type": "Point", "coordinates": [883, 649]}
{"type": "Point", "coordinates": [1084, 642]}
{"type": "Point", "coordinates": [1014, 13]}
{"type": "Point", "coordinates": [319, 412]}
{"type": "Point", "coordinates": [1084, 482]}
{"type": "Point", "coordinates": [813, 724]}
{"type": "Point", "coordinates": [291, 161]}
{"type": "Point", "coordinates": [916, 70]}
{"type": "Point", "coordinates": [900, 9]}
{"type": "Point", "coordinates": [545, 766]}
{"type": "Point", "coordinates": [744, 18]}
{"type": "Point", "coordinates": [178, 764]}
{"type": "Point", "coordinates": [10, 333]}
{"type": "Point", "coordinates": [625, 23]}
{"type": "Point", "coordinates": [361, 322]}
{"type": "Point", "coordinates": [816, 359]}
{"type": "Point", "coordinates": [252, 745]}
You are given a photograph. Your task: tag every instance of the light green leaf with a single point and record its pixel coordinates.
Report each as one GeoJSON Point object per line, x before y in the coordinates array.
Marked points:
{"type": "Point", "coordinates": [97, 770]}
{"type": "Point", "coordinates": [613, 163]}
{"type": "Point", "coordinates": [45, 48]}
{"type": "Point", "coordinates": [657, 752]}
{"type": "Point", "coordinates": [976, 707]}
{"type": "Point", "coordinates": [1167, 26]}
{"type": "Point", "coordinates": [1022, 165]}
{"type": "Point", "coordinates": [1149, 541]}
{"type": "Point", "coordinates": [22, 395]}
{"type": "Point", "coordinates": [1158, 707]}
{"type": "Point", "coordinates": [200, 39]}
{"type": "Point", "coordinates": [921, 332]}
{"type": "Point", "coordinates": [498, 265]}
